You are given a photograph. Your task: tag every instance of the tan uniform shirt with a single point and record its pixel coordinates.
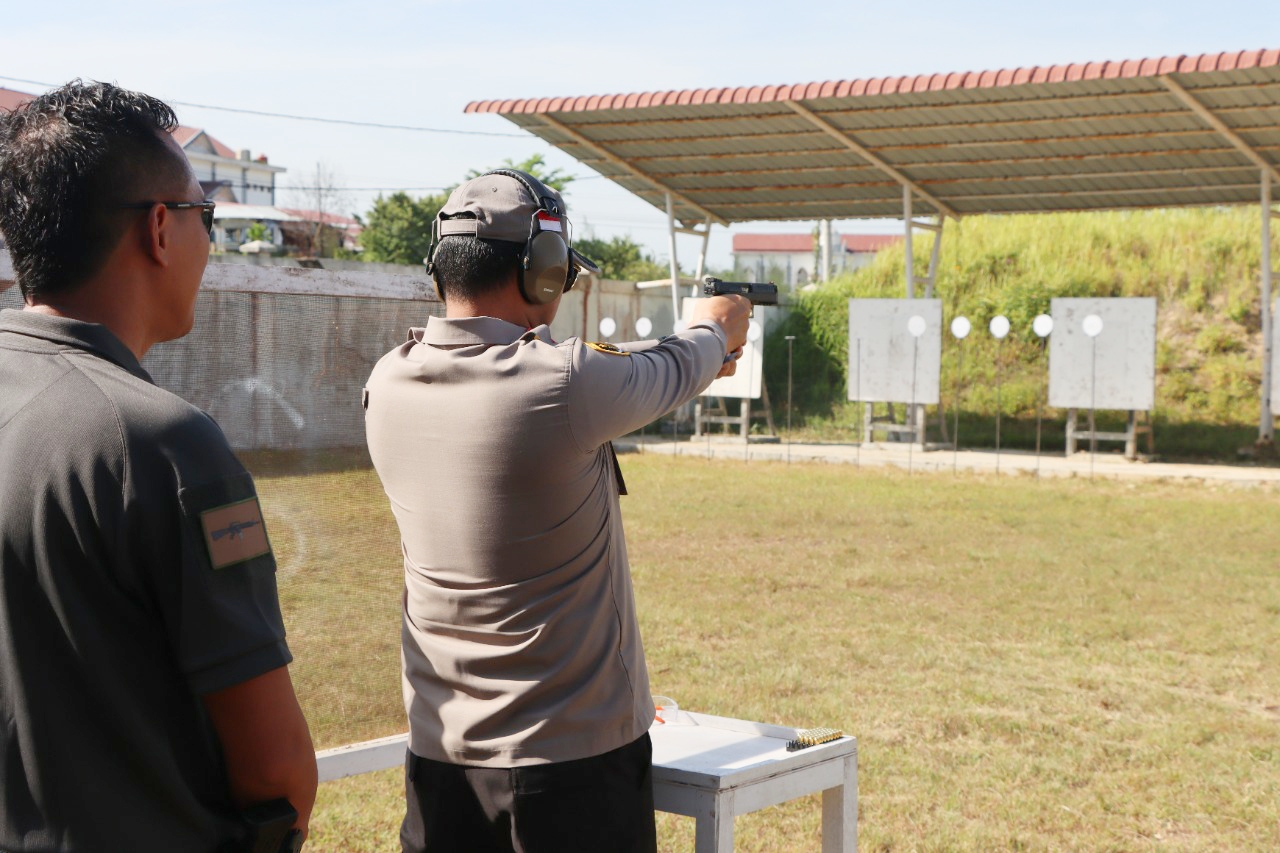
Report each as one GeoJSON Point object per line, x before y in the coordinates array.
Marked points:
{"type": "Point", "coordinates": [520, 639]}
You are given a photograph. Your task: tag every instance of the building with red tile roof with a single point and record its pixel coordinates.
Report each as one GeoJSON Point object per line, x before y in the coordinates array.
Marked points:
{"type": "Point", "coordinates": [792, 259]}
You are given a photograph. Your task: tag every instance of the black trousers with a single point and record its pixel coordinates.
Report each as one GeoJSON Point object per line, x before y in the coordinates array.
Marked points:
{"type": "Point", "coordinates": [603, 803]}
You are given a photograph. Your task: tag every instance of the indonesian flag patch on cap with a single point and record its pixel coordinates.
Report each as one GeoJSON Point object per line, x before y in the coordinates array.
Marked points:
{"type": "Point", "coordinates": [549, 222]}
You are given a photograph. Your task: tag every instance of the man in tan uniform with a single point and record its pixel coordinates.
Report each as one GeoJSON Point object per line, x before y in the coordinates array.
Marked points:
{"type": "Point", "coordinates": [524, 675]}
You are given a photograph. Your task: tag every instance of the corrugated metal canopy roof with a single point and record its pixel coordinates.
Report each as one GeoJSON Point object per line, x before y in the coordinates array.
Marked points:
{"type": "Point", "coordinates": [1160, 132]}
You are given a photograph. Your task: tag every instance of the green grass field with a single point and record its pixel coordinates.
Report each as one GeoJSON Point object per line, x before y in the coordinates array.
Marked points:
{"type": "Point", "coordinates": [1063, 665]}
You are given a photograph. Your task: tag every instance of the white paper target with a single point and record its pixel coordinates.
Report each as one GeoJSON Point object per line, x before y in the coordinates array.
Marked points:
{"type": "Point", "coordinates": [1125, 373]}
{"type": "Point", "coordinates": [961, 327]}
{"type": "Point", "coordinates": [608, 326]}
{"type": "Point", "coordinates": [999, 326]}
{"type": "Point", "coordinates": [746, 382]}
{"type": "Point", "coordinates": [1042, 325]}
{"type": "Point", "coordinates": [644, 326]}
{"type": "Point", "coordinates": [882, 351]}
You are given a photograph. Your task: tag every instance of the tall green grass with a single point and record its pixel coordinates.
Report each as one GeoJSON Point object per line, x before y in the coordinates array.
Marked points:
{"type": "Point", "coordinates": [1202, 265]}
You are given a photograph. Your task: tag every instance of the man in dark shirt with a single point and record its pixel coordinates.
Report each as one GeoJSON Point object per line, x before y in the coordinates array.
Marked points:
{"type": "Point", "coordinates": [145, 698]}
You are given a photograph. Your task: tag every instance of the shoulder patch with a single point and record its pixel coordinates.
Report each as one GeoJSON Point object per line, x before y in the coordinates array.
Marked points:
{"type": "Point", "coordinates": [234, 533]}
{"type": "Point", "coordinates": [605, 348]}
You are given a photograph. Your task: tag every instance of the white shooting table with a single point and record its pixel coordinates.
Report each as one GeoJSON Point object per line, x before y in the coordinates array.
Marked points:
{"type": "Point", "coordinates": [715, 768]}
{"type": "Point", "coordinates": [709, 768]}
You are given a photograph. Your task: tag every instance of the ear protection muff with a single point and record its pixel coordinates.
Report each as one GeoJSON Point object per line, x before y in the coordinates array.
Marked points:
{"type": "Point", "coordinates": [546, 265]}
{"type": "Point", "coordinates": [430, 259]}
{"type": "Point", "coordinates": [546, 269]}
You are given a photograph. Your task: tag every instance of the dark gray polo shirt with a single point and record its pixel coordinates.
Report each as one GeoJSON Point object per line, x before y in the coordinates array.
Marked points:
{"type": "Point", "coordinates": [135, 575]}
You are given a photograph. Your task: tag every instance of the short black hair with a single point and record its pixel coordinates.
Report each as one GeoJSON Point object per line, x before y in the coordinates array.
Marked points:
{"type": "Point", "coordinates": [467, 267]}
{"type": "Point", "coordinates": [68, 160]}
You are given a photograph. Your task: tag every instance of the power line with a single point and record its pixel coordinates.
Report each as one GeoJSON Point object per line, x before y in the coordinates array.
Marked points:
{"type": "Point", "coordinates": [377, 125]}
{"type": "Point", "coordinates": [408, 189]}
{"type": "Point", "coordinates": [318, 119]}
{"type": "Point", "coordinates": [341, 188]}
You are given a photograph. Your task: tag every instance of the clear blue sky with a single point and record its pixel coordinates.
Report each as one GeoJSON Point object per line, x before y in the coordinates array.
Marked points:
{"type": "Point", "coordinates": [420, 63]}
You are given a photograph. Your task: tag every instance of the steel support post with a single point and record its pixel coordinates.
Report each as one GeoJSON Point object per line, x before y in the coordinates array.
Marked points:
{"type": "Point", "coordinates": [909, 222]}
{"type": "Point", "coordinates": [702, 257]}
{"type": "Point", "coordinates": [824, 254]}
{"type": "Point", "coordinates": [1266, 425]}
{"type": "Point", "coordinates": [933, 258]}
{"type": "Point", "coordinates": [675, 266]}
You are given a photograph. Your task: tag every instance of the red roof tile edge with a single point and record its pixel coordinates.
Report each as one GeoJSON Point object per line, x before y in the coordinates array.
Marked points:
{"type": "Point", "coordinates": [1109, 70]}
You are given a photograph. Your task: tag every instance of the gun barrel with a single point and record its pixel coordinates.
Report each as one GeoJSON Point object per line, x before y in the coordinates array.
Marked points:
{"type": "Point", "coordinates": [758, 292]}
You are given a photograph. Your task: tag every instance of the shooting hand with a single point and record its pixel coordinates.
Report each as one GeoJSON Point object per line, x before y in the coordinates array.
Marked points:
{"type": "Point", "coordinates": [730, 365]}
{"type": "Point", "coordinates": [732, 313]}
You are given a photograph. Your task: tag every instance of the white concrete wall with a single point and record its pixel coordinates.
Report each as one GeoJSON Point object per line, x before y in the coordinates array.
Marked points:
{"type": "Point", "coordinates": [280, 352]}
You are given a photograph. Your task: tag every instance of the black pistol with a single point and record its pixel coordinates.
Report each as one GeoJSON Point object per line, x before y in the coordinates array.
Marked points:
{"type": "Point", "coordinates": [271, 828]}
{"type": "Point", "coordinates": [759, 294]}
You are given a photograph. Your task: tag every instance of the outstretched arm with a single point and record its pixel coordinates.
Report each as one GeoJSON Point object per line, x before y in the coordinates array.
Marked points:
{"type": "Point", "coordinates": [612, 394]}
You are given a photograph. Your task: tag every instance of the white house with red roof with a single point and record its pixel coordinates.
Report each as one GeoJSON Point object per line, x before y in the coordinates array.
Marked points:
{"type": "Point", "coordinates": [792, 259]}
{"type": "Point", "coordinates": [243, 185]}
{"type": "Point", "coordinates": [227, 175]}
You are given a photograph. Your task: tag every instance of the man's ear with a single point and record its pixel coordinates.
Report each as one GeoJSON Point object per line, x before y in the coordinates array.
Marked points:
{"type": "Point", "coordinates": [158, 236]}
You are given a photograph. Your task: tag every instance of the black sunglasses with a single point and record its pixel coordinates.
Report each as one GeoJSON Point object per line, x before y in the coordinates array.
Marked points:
{"type": "Point", "coordinates": [206, 209]}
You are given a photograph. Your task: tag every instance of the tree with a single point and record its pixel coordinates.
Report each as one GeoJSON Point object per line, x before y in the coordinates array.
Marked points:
{"type": "Point", "coordinates": [319, 195]}
{"type": "Point", "coordinates": [397, 230]}
{"type": "Point", "coordinates": [535, 165]}
{"type": "Point", "coordinates": [621, 258]}
{"type": "Point", "coordinates": [257, 231]}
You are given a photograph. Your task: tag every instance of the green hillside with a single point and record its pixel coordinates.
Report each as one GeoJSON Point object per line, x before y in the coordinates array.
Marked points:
{"type": "Point", "coordinates": [1201, 264]}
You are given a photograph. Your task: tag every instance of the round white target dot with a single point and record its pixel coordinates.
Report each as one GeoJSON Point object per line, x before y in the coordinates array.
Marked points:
{"type": "Point", "coordinates": [1042, 325]}
{"type": "Point", "coordinates": [960, 327]}
{"type": "Point", "coordinates": [1092, 325]}
{"type": "Point", "coordinates": [754, 331]}
{"type": "Point", "coordinates": [608, 326]}
{"type": "Point", "coordinates": [916, 326]}
{"type": "Point", "coordinates": [644, 326]}
{"type": "Point", "coordinates": [999, 326]}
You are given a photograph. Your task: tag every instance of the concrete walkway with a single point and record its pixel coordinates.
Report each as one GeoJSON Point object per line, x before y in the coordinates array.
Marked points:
{"type": "Point", "coordinates": [1009, 462]}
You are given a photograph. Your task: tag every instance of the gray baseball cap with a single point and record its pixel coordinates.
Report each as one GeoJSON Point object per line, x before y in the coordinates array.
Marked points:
{"type": "Point", "coordinates": [501, 206]}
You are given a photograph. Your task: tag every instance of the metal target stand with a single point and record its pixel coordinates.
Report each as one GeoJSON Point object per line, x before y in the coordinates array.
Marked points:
{"type": "Point", "coordinates": [715, 410]}
{"type": "Point", "coordinates": [1133, 429]}
{"type": "Point", "coordinates": [889, 424]}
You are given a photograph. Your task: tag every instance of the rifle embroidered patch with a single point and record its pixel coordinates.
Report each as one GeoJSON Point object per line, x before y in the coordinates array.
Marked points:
{"type": "Point", "coordinates": [234, 533]}
{"type": "Point", "coordinates": [609, 349]}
